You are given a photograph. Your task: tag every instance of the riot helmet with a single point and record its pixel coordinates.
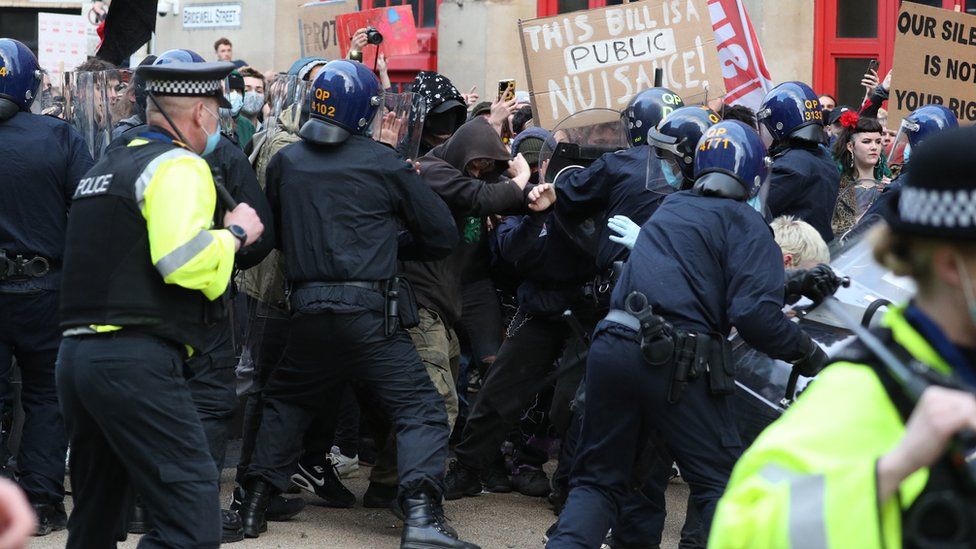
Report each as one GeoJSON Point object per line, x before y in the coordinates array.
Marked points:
{"type": "Point", "coordinates": [305, 67]}
{"type": "Point", "coordinates": [927, 121]}
{"type": "Point", "coordinates": [646, 110]}
{"type": "Point", "coordinates": [674, 142]}
{"type": "Point", "coordinates": [792, 111]}
{"type": "Point", "coordinates": [731, 163]}
{"type": "Point", "coordinates": [20, 77]}
{"type": "Point", "coordinates": [343, 101]}
{"type": "Point", "coordinates": [178, 56]}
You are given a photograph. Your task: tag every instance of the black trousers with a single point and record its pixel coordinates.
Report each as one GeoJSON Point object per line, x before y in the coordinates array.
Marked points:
{"type": "Point", "coordinates": [29, 332]}
{"type": "Point", "coordinates": [324, 352]}
{"type": "Point", "coordinates": [520, 370]}
{"type": "Point", "coordinates": [133, 425]}
{"type": "Point", "coordinates": [212, 385]}
{"type": "Point", "coordinates": [626, 403]}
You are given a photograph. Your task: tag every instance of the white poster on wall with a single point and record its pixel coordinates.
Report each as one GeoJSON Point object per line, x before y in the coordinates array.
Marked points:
{"type": "Point", "coordinates": [209, 16]}
{"type": "Point", "coordinates": [62, 43]}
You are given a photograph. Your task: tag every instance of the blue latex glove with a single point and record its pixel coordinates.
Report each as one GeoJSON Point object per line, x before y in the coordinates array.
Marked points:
{"type": "Point", "coordinates": [626, 229]}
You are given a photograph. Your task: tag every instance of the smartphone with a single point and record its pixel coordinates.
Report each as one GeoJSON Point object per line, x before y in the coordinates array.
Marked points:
{"type": "Point", "coordinates": [873, 65]}
{"type": "Point", "coordinates": [506, 89]}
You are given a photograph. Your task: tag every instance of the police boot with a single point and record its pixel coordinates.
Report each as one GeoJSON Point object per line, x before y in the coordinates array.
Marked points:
{"type": "Point", "coordinates": [258, 496]}
{"type": "Point", "coordinates": [425, 527]}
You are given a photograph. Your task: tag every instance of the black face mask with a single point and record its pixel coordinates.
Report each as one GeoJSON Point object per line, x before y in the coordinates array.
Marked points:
{"type": "Point", "coordinates": [534, 178]}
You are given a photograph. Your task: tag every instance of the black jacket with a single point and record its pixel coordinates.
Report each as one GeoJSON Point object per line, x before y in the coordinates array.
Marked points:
{"type": "Point", "coordinates": [438, 284]}
{"type": "Point", "coordinates": [804, 183]}
{"type": "Point", "coordinates": [338, 210]}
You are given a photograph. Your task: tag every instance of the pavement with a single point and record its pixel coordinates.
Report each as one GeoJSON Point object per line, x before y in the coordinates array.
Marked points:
{"type": "Point", "coordinates": [494, 521]}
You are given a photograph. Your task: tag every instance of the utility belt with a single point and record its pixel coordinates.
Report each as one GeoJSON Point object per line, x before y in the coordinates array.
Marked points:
{"type": "Point", "coordinates": [691, 355]}
{"type": "Point", "coordinates": [19, 266]}
{"type": "Point", "coordinates": [400, 302]}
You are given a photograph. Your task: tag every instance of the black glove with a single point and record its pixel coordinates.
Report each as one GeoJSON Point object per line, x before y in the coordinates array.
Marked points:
{"type": "Point", "coordinates": [815, 284]}
{"type": "Point", "coordinates": [812, 361]}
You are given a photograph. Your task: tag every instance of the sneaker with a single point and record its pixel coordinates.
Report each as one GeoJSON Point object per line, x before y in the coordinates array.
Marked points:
{"type": "Point", "coordinates": [232, 529]}
{"type": "Point", "coordinates": [549, 532]}
{"type": "Point", "coordinates": [279, 510]}
{"type": "Point", "coordinates": [321, 479]}
{"type": "Point", "coordinates": [346, 467]}
{"type": "Point", "coordinates": [461, 481]}
{"type": "Point", "coordinates": [50, 518]}
{"type": "Point", "coordinates": [531, 482]}
{"type": "Point", "coordinates": [496, 480]}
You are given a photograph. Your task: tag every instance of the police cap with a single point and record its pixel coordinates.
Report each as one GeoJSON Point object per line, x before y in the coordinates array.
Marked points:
{"type": "Point", "coordinates": [187, 80]}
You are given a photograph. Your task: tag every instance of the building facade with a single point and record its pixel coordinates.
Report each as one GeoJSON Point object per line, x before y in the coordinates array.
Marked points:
{"type": "Point", "coordinates": [827, 43]}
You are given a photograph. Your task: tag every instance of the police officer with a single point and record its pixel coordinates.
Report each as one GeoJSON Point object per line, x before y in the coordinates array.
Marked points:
{"type": "Point", "coordinates": [212, 382]}
{"type": "Point", "coordinates": [617, 182]}
{"type": "Point", "coordinates": [704, 262]}
{"type": "Point", "coordinates": [338, 219]}
{"type": "Point", "coordinates": [43, 158]}
{"type": "Point", "coordinates": [867, 447]}
{"type": "Point", "coordinates": [144, 274]}
{"type": "Point", "coordinates": [918, 126]}
{"type": "Point", "coordinates": [804, 181]}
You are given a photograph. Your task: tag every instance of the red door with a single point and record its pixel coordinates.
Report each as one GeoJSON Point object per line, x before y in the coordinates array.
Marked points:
{"type": "Point", "coordinates": [848, 34]}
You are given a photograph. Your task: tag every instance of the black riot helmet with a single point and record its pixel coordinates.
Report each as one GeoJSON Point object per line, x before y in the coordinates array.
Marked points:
{"type": "Point", "coordinates": [674, 142]}
{"type": "Point", "coordinates": [646, 110]}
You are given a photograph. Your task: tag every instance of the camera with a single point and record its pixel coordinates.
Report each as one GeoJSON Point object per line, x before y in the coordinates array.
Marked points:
{"type": "Point", "coordinates": [373, 36]}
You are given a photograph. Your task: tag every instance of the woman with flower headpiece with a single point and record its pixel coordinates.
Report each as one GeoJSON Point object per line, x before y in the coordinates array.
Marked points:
{"type": "Point", "coordinates": [860, 157]}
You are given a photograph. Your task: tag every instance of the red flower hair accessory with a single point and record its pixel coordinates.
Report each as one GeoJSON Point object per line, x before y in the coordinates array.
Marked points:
{"type": "Point", "coordinates": [849, 120]}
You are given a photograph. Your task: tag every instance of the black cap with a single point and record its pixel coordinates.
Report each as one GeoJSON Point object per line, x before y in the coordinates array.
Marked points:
{"type": "Point", "coordinates": [836, 113]}
{"type": "Point", "coordinates": [479, 109]}
{"type": "Point", "coordinates": [938, 195]}
{"type": "Point", "coordinates": [187, 80]}
{"type": "Point", "coordinates": [235, 82]}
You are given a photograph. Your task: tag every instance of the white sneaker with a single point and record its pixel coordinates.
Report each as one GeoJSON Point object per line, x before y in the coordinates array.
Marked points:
{"type": "Point", "coordinates": [346, 467]}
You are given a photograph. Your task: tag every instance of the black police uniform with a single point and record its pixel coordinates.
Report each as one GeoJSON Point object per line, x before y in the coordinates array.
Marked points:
{"type": "Point", "coordinates": [126, 402]}
{"type": "Point", "coordinates": [555, 270]}
{"type": "Point", "coordinates": [705, 264]}
{"type": "Point", "coordinates": [43, 159]}
{"type": "Point", "coordinates": [804, 183]}
{"type": "Point", "coordinates": [616, 184]}
{"type": "Point", "coordinates": [211, 368]}
{"type": "Point", "coordinates": [337, 223]}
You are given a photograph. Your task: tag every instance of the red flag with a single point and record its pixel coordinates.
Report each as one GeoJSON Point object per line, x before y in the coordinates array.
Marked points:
{"type": "Point", "coordinates": [743, 67]}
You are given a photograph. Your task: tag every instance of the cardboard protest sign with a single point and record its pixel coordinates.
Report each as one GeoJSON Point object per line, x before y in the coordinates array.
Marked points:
{"type": "Point", "coordinates": [934, 52]}
{"type": "Point", "coordinates": [319, 36]}
{"type": "Point", "coordinates": [600, 58]}
{"type": "Point", "coordinates": [395, 23]}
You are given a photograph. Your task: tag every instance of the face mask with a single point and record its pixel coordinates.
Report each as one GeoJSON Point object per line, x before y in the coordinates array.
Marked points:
{"type": "Point", "coordinates": [212, 138]}
{"type": "Point", "coordinates": [253, 102]}
{"type": "Point", "coordinates": [672, 175]}
{"type": "Point", "coordinates": [756, 203]}
{"type": "Point", "coordinates": [967, 289]}
{"type": "Point", "coordinates": [236, 102]}
{"type": "Point", "coordinates": [908, 151]}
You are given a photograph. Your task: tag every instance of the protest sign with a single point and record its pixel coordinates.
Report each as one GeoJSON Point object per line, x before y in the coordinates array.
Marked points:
{"type": "Point", "coordinates": [62, 43]}
{"type": "Point", "coordinates": [934, 52]}
{"type": "Point", "coordinates": [395, 23]}
{"type": "Point", "coordinates": [319, 36]}
{"type": "Point", "coordinates": [600, 58]}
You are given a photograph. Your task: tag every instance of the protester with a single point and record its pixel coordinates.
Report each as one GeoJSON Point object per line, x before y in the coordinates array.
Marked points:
{"type": "Point", "coordinates": [859, 155]}
{"type": "Point", "coordinates": [224, 51]}
{"type": "Point", "coordinates": [801, 245]}
{"type": "Point", "coordinates": [254, 102]}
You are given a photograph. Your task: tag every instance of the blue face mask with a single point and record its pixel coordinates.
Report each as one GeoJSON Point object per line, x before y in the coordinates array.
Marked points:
{"type": "Point", "coordinates": [756, 204]}
{"type": "Point", "coordinates": [236, 102]}
{"type": "Point", "coordinates": [908, 152]}
{"type": "Point", "coordinates": [212, 138]}
{"type": "Point", "coordinates": [672, 174]}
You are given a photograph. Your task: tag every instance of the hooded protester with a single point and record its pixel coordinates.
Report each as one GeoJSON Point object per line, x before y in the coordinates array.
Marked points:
{"type": "Point", "coordinates": [469, 173]}
{"type": "Point", "coordinates": [446, 110]}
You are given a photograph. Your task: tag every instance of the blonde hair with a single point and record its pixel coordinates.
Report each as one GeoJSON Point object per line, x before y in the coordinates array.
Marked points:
{"type": "Point", "coordinates": [800, 240]}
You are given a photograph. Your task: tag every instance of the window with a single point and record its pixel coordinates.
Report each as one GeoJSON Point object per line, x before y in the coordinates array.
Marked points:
{"type": "Point", "coordinates": [554, 7]}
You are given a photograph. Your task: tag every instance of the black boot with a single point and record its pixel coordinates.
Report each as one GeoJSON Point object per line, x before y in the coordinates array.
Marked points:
{"type": "Point", "coordinates": [139, 522]}
{"type": "Point", "coordinates": [424, 525]}
{"type": "Point", "coordinates": [50, 518]}
{"type": "Point", "coordinates": [258, 496]}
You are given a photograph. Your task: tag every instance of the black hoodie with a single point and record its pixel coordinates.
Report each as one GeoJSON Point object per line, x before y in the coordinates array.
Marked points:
{"type": "Point", "coordinates": [438, 283]}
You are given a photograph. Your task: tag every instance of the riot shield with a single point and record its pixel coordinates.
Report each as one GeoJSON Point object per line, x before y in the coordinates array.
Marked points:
{"type": "Point", "coordinates": [400, 122]}
{"type": "Point", "coordinates": [93, 105]}
{"type": "Point", "coordinates": [265, 308]}
{"type": "Point", "coordinates": [288, 99]}
{"type": "Point", "coordinates": [762, 381]}
{"type": "Point", "coordinates": [578, 141]}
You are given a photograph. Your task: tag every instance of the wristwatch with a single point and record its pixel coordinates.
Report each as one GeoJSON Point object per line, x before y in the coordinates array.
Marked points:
{"type": "Point", "coordinates": [239, 233]}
